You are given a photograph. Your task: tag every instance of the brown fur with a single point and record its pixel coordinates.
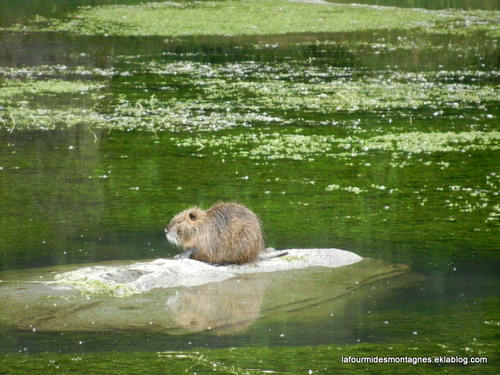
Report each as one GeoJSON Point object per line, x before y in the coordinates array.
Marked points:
{"type": "Point", "coordinates": [225, 233]}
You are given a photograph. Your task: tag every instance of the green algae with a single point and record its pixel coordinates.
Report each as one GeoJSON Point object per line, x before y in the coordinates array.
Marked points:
{"type": "Point", "coordinates": [96, 288]}
{"type": "Point", "coordinates": [230, 95]}
{"type": "Point", "coordinates": [259, 17]}
{"type": "Point", "coordinates": [13, 89]}
{"type": "Point", "coordinates": [248, 93]}
{"type": "Point", "coordinates": [300, 147]}
{"type": "Point", "coordinates": [418, 142]}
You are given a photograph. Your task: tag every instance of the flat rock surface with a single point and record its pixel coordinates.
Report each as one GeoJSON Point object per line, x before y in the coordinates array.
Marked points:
{"type": "Point", "coordinates": [184, 296]}
{"type": "Point", "coordinates": [168, 273]}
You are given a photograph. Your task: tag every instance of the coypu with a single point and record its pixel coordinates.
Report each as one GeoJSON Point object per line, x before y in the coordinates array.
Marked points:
{"type": "Point", "coordinates": [225, 233]}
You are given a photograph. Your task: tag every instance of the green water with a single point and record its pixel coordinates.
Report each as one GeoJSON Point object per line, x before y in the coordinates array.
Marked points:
{"type": "Point", "coordinates": [385, 143]}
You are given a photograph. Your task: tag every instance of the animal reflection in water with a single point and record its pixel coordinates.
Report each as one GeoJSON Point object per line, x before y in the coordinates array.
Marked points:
{"type": "Point", "coordinates": [226, 307]}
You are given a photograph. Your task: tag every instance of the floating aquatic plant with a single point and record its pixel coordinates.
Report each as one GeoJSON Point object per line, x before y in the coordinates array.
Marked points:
{"type": "Point", "coordinates": [299, 147]}
{"type": "Point", "coordinates": [259, 17]}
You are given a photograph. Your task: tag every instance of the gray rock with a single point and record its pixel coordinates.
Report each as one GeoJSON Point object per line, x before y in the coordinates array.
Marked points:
{"type": "Point", "coordinates": [184, 296]}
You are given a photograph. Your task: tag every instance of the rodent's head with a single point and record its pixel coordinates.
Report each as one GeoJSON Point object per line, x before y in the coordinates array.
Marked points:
{"type": "Point", "coordinates": [184, 226]}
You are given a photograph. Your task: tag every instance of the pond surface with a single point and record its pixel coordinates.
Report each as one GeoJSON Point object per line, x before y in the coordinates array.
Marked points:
{"type": "Point", "coordinates": [385, 143]}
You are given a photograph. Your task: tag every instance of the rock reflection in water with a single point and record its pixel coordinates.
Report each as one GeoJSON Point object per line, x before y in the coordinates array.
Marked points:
{"type": "Point", "coordinates": [226, 307]}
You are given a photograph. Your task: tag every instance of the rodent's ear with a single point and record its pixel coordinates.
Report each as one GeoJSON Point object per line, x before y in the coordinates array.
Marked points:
{"type": "Point", "coordinates": [192, 216]}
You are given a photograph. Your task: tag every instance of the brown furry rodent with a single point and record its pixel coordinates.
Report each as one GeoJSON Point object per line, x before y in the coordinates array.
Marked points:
{"type": "Point", "coordinates": [225, 233]}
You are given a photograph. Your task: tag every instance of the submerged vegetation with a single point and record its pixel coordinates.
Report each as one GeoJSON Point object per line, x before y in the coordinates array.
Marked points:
{"type": "Point", "coordinates": [252, 17]}
{"type": "Point", "coordinates": [243, 94]}
{"type": "Point", "coordinates": [191, 94]}
{"type": "Point", "coordinates": [299, 147]}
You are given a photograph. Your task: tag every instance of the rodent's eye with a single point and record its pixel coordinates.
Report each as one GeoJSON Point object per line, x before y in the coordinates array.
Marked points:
{"type": "Point", "coordinates": [192, 216]}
